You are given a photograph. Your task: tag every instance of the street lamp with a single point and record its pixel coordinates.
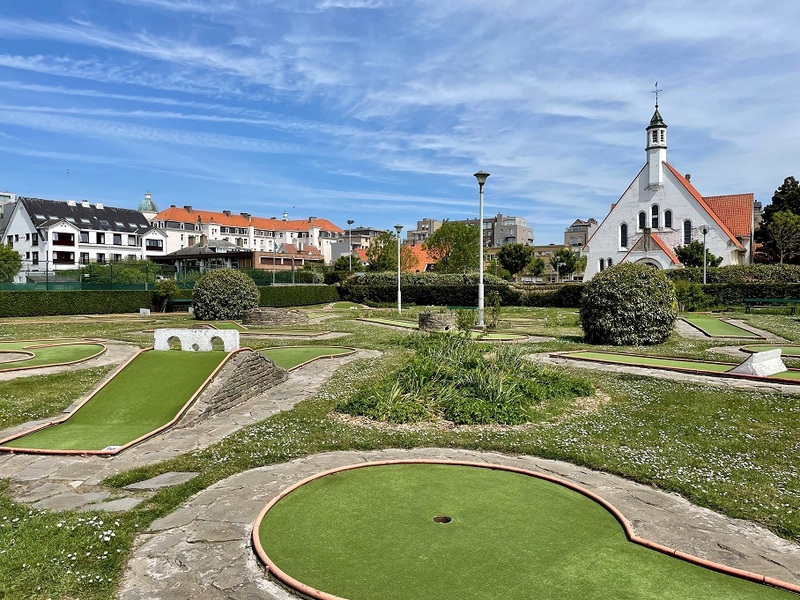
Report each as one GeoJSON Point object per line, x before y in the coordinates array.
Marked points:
{"type": "Point", "coordinates": [350, 227]}
{"type": "Point", "coordinates": [481, 177]}
{"type": "Point", "coordinates": [274, 254]}
{"type": "Point", "coordinates": [398, 229]}
{"type": "Point", "coordinates": [558, 270]}
{"type": "Point", "coordinates": [704, 231]}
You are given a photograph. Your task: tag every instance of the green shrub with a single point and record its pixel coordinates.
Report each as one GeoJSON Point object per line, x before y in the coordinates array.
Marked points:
{"type": "Point", "coordinates": [165, 290]}
{"type": "Point", "coordinates": [466, 319]}
{"type": "Point", "coordinates": [690, 296]}
{"type": "Point", "coordinates": [737, 274]}
{"type": "Point", "coordinates": [494, 307]}
{"type": "Point", "coordinates": [74, 302]}
{"type": "Point", "coordinates": [224, 294]}
{"type": "Point", "coordinates": [628, 304]}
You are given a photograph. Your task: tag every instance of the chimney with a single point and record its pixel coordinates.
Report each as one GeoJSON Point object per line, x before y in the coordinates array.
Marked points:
{"type": "Point", "coordinates": [285, 216]}
{"type": "Point", "coordinates": [311, 219]}
{"type": "Point", "coordinates": [246, 215]}
{"type": "Point", "coordinates": [187, 207]}
{"type": "Point", "coordinates": [227, 213]}
{"type": "Point", "coordinates": [688, 176]}
{"type": "Point", "coordinates": [85, 203]}
{"type": "Point", "coordinates": [98, 206]}
{"type": "Point", "coordinates": [172, 206]}
{"type": "Point", "coordinates": [203, 239]}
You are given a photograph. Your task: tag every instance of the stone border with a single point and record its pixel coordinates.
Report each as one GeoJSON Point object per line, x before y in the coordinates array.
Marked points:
{"type": "Point", "coordinates": [113, 449]}
{"type": "Point", "coordinates": [283, 578]}
{"type": "Point", "coordinates": [81, 342]}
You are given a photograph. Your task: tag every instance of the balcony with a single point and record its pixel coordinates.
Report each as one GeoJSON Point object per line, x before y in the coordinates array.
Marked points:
{"type": "Point", "coordinates": [63, 240]}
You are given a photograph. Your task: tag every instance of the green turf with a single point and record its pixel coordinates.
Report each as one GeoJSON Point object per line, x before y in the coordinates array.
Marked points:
{"type": "Point", "coordinates": [499, 336]}
{"type": "Point", "coordinates": [716, 327]}
{"type": "Point", "coordinates": [791, 351]}
{"type": "Point", "coordinates": [369, 533]}
{"type": "Point", "coordinates": [145, 395]}
{"type": "Point", "coordinates": [64, 351]}
{"type": "Point", "coordinates": [289, 357]}
{"type": "Point", "coordinates": [291, 332]}
{"type": "Point", "coordinates": [393, 322]}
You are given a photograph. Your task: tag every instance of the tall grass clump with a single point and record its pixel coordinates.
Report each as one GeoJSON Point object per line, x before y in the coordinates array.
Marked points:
{"type": "Point", "coordinates": [451, 377]}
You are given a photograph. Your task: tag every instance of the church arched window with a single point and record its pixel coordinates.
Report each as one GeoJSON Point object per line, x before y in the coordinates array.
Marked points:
{"type": "Point", "coordinates": [602, 264]}
{"type": "Point", "coordinates": [687, 232]}
{"type": "Point", "coordinates": [668, 219]}
{"type": "Point", "coordinates": [642, 220]}
{"type": "Point", "coordinates": [623, 235]}
{"type": "Point", "coordinates": [654, 213]}
{"type": "Point", "coordinates": [610, 262]}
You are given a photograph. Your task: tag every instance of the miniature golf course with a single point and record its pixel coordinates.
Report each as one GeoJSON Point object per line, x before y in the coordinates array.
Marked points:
{"type": "Point", "coordinates": [407, 324]}
{"type": "Point", "coordinates": [148, 393]}
{"type": "Point", "coordinates": [715, 327]}
{"type": "Point", "coordinates": [463, 532]}
{"type": "Point", "coordinates": [43, 353]}
{"type": "Point", "coordinates": [787, 351]}
{"type": "Point", "coordinates": [292, 357]}
{"type": "Point", "coordinates": [673, 364]}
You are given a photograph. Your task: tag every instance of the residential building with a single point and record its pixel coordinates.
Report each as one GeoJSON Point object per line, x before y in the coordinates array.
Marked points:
{"type": "Point", "coordinates": [423, 231]}
{"type": "Point", "coordinates": [185, 225]}
{"type": "Point", "coordinates": [661, 210]}
{"type": "Point", "coordinates": [54, 235]}
{"type": "Point", "coordinates": [360, 236]}
{"type": "Point", "coordinates": [502, 229]}
{"type": "Point", "coordinates": [7, 200]}
{"type": "Point", "coordinates": [577, 234]}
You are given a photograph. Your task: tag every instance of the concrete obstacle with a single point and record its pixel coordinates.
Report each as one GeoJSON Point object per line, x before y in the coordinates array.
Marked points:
{"type": "Point", "coordinates": [762, 364]}
{"type": "Point", "coordinates": [197, 340]}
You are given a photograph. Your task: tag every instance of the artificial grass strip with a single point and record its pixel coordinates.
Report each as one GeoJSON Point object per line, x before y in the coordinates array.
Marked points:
{"type": "Point", "coordinates": [289, 357]}
{"type": "Point", "coordinates": [49, 352]}
{"type": "Point", "coordinates": [145, 395]}
{"type": "Point", "coordinates": [651, 361]}
{"type": "Point", "coordinates": [715, 327]}
{"type": "Point", "coordinates": [793, 351]}
{"type": "Point", "coordinates": [369, 533]}
{"type": "Point", "coordinates": [393, 322]}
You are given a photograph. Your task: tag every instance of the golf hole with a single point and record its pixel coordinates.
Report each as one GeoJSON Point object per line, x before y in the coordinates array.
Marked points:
{"type": "Point", "coordinates": [442, 519]}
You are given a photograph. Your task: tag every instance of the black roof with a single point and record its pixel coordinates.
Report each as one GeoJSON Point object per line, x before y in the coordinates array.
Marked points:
{"type": "Point", "coordinates": [84, 216]}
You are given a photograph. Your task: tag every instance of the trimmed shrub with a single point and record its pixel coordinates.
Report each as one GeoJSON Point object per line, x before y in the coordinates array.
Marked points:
{"type": "Point", "coordinates": [736, 274]}
{"type": "Point", "coordinates": [690, 296]}
{"type": "Point", "coordinates": [73, 302]}
{"type": "Point", "coordinates": [280, 296]}
{"type": "Point", "coordinates": [628, 305]}
{"type": "Point", "coordinates": [224, 294]}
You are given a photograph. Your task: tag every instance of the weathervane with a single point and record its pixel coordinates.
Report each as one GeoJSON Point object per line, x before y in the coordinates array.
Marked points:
{"type": "Point", "coordinates": [655, 91]}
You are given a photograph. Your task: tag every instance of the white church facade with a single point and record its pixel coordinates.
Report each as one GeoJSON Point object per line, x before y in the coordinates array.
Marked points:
{"type": "Point", "coordinates": [662, 210]}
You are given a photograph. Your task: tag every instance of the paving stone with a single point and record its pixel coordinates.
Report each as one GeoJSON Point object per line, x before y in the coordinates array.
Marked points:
{"type": "Point", "coordinates": [118, 505]}
{"type": "Point", "coordinates": [164, 480]}
{"type": "Point", "coordinates": [70, 500]}
{"type": "Point", "coordinates": [46, 490]}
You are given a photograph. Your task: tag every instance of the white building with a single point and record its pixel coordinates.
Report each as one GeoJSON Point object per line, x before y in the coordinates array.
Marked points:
{"type": "Point", "coordinates": [662, 210]}
{"type": "Point", "coordinates": [185, 226]}
{"type": "Point", "coordinates": [52, 235]}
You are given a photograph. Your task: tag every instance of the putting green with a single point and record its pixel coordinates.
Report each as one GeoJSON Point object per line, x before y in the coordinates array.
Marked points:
{"type": "Point", "coordinates": [291, 357]}
{"type": "Point", "coordinates": [146, 395]}
{"type": "Point", "coordinates": [370, 533]}
{"type": "Point", "coordinates": [789, 351]}
{"type": "Point", "coordinates": [393, 322]}
{"type": "Point", "coordinates": [42, 353]}
{"type": "Point", "coordinates": [675, 364]}
{"type": "Point", "coordinates": [715, 327]}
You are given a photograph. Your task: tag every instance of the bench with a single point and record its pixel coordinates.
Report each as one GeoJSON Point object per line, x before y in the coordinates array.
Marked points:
{"type": "Point", "coordinates": [770, 302]}
{"type": "Point", "coordinates": [178, 304]}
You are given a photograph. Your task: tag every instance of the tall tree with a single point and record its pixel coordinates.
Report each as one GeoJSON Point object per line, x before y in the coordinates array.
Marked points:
{"type": "Point", "coordinates": [691, 255]}
{"type": "Point", "coordinates": [382, 253]}
{"type": "Point", "coordinates": [10, 263]}
{"type": "Point", "coordinates": [455, 247]}
{"type": "Point", "coordinates": [785, 198]}
{"type": "Point", "coordinates": [563, 262]}
{"type": "Point", "coordinates": [536, 267]}
{"type": "Point", "coordinates": [784, 230]}
{"type": "Point", "coordinates": [515, 257]}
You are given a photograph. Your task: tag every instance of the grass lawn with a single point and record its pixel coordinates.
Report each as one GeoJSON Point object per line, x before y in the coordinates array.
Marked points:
{"type": "Point", "coordinates": [716, 327]}
{"type": "Point", "coordinates": [290, 357]}
{"type": "Point", "coordinates": [369, 533]}
{"type": "Point", "coordinates": [60, 352]}
{"type": "Point", "coordinates": [144, 396]}
{"type": "Point", "coordinates": [405, 323]}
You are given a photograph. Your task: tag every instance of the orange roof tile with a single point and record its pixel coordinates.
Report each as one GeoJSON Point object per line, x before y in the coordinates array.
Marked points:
{"type": "Point", "coordinates": [661, 245]}
{"type": "Point", "coordinates": [735, 210]}
{"type": "Point", "coordinates": [362, 254]}
{"type": "Point", "coordinates": [181, 215]}
{"type": "Point", "coordinates": [421, 258]}
{"type": "Point", "coordinates": [685, 182]}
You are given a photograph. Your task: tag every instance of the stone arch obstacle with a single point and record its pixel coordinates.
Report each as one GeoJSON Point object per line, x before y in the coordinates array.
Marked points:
{"type": "Point", "coordinates": [197, 340]}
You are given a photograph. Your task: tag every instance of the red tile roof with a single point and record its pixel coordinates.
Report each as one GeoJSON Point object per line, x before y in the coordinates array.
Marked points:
{"type": "Point", "coordinates": [421, 259]}
{"type": "Point", "coordinates": [658, 242]}
{"type": "Point", "coordinates": [362, 254]}
{"type": "Point", "coordinates": [182, 215]}
{"type": "Point", "coordinates": [735, 210]}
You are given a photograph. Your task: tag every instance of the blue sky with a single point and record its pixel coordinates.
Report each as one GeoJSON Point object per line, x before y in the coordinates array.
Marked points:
{"type": "Point", "coordinates": [381, 110]}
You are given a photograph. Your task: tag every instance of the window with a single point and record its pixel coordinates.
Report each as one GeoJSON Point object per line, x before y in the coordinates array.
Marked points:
{"type": "Point", "coordinates": [663, 134]}
{"type": "Point", "coordinates": [654, 219]}
{"type": "Point", "coordinates": [116, 257]}
{"type": "Point", "coordinates": [154, 245]}
{"type": "Point", "coordinates": [35, 258]}
{"type": "Point", "coordinates": [642, 220]}
{"type": "Point", "coordinates": [602, 264]}
{"type": "Point", "coordinates": [101, 239]}
{"type": "Point", "coordinates": [654, 136]}
{"type": "Point", "coordinates": [610, 262]}
{"type": "Point", "coordinates": [63, 239]}
{"type": "Point", "coordinates": [687, 232]}
{"type": "Point", "coordinates": [623, 235]}
{"type": "Point", "coordinates": [668, 219]}
{"type": "Point", "coordinates": [27, 237]}
{"type": "Point", "coordinates": [118, 239]}
{"type": "Point", "coordinates": [84, 258]}
{"type": "Point", "coordinates": [101, 258]}
{"type": "Point", "coordinates": [132, 240]}
{"type": "Point", "coordinates": [84, 237]}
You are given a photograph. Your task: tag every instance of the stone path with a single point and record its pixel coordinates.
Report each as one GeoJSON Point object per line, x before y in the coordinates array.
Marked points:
{"type": "Point", "coordinates": [203, 549]}
{"type": "Point", "coordinates": [69, 482]}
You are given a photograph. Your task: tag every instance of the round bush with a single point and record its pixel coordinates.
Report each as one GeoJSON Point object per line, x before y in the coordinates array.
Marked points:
{"type": "Point", "coordinates": [628, 305]}
{"type": "Point", "coordinates": [224, 294]}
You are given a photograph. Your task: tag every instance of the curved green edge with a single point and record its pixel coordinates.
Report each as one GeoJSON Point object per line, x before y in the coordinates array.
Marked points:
{"type": "Point", "coordinates": [289, 357]}
{"type": "Point", "coordinates": [51, 352]}
{"type": "Point", "coordinates": [369, 533]}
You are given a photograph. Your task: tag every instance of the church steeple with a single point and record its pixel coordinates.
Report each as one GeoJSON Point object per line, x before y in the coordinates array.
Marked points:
{"type": "Point", "coordinates": [656, 147]}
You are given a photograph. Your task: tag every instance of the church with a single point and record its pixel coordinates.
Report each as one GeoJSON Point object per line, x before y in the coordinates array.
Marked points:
{"type": "Point", "coordinates": [662, 210]}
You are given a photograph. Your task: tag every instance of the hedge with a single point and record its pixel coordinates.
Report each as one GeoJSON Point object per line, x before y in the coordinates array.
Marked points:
{"type": "Point", "coordinates": [729, 294]}
{"type": "Point", "coordinates": [74, 302]}
{"type": "Point", "coordinates": [297, 295]}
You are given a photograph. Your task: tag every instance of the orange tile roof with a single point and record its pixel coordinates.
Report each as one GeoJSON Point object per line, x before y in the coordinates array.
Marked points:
{"type": "Point", "coordinates": [735, 210]}
{"type": "Point", "coordinates": [181, 215]}
{"type": "Point", "coordinates": [362, 254]}
{"type": "Point", "coordinates": [693, 191]}
{"type": "Point", "coordinates": [421, 258]}
{"type": "Point", "coordinates": [661, 245]}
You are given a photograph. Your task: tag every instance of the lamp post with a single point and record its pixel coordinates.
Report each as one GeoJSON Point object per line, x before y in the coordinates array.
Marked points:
{"type": "Point", "coordinates": [398, 229]}
{"type": "Point", "coordinates": [350, 227]}
{"type": "Point", "coordinates": [704, 231]}
{"type": "Point", "coordinates": [481, 177]}
{"type": "Point", "coordinates": [274, 255]}
{"type": "Point", "coordinates": [558, 270]}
